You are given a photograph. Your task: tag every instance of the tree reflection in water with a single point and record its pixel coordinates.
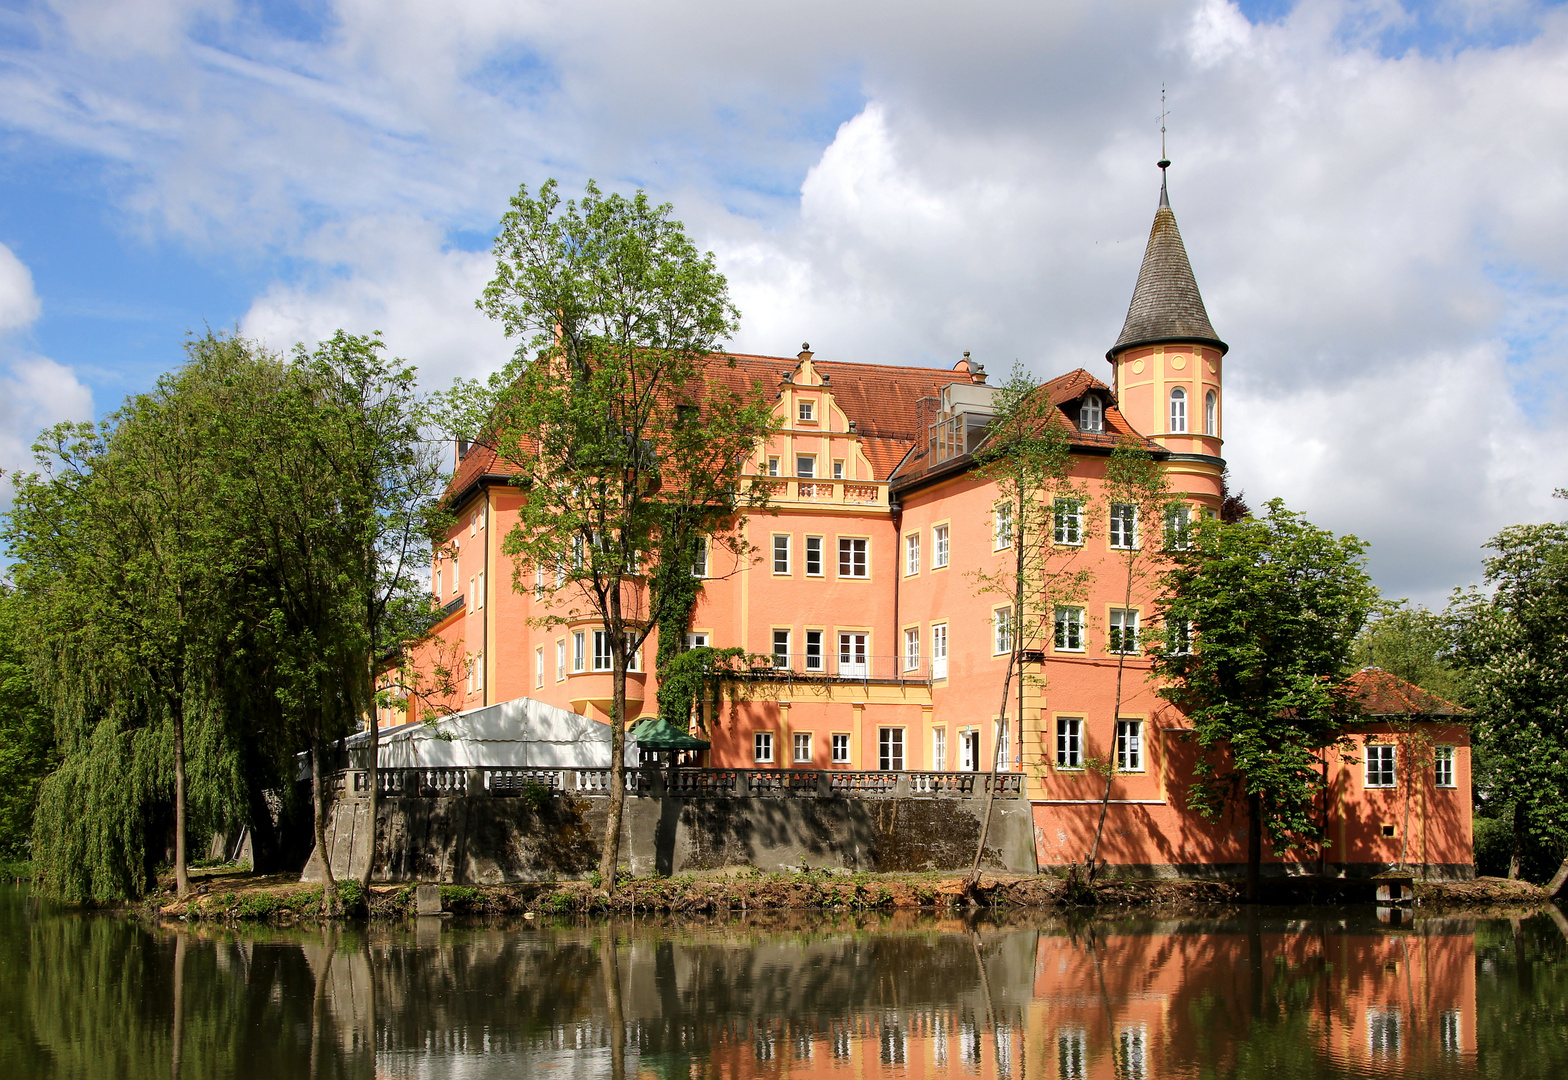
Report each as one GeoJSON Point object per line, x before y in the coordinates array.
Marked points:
{"type": "Point", "coordinates": [1268, 994]}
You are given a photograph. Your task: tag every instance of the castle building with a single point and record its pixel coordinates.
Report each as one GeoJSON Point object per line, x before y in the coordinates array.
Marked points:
{"type": "Point", "coordinates": [865, 587]}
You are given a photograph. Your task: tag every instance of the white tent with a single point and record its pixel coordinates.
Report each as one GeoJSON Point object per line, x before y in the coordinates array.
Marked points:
{"type": "Point", "coordinates": [518, 733]}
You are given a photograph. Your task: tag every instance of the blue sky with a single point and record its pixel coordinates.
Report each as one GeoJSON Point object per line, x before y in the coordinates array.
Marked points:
{"type": "Point", "coordinates": [1374, 195]}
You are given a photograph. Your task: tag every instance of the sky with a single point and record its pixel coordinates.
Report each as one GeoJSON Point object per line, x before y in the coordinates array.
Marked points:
{"type": "Point", "coordinates": [1374, 197]}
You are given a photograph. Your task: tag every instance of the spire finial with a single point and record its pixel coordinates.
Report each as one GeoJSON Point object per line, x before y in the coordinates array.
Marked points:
{"type": "Point", "coordinates": [1165, 161]}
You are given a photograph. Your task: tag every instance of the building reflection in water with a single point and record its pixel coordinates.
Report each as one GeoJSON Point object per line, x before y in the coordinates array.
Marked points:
{"type": "Point", "coordinates": [1040, 999]}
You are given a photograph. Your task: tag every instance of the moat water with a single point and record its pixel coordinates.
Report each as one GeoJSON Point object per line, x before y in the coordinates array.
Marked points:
{"type": "Point", "coordinates": [1278, 993]}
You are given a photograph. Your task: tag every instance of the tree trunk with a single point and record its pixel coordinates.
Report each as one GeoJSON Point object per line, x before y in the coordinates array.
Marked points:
{"type": "Point", "coordinates": [182, 880]}
{"type": "Point", "coordinates": [318, 792]}
{"type": "Point", "coordinates": [990, 795]}
{"type": "Point", "coordinates": [1516, 856]}
{"type": "Point", "coordinates": [1254, 846]}
{"type": "Point", "coordinates": [611, 849]}
{"type": "Point", "coordinates": [1554, 887]}
{"type": "Point", "coordinates": [373, 772]}
{"type": "Point", "coordinates": [1116, 716]}
{"type": "Point", "coordinates": [1015, 661]}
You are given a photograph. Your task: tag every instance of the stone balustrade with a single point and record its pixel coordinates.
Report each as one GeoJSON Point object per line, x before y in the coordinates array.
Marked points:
{"type": "Point", "coordinates": [449, 782]}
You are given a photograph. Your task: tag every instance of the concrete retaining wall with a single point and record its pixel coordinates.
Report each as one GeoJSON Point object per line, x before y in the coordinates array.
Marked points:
{"type": "Point", "coordinates": [477, 841]}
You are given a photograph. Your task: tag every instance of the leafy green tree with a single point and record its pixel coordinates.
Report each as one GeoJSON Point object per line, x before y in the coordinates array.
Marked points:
{"type": "Point", "coordinates": [1027, 455]}
{"type": "Point", "coordinates": [631, 442]}
{"type": "Point", "coordinates": [120, 575]}
{"type": "Point", "coordinates": [1274, 605]}
{"type": "Point", "coordinates": [27, 747]}
{"type": "Point", "coordinates": [1415, 644]}
{"type": "Point", "coordinates": [1511, 645]}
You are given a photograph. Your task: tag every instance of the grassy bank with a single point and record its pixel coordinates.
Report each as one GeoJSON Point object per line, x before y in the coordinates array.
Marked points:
{"type": "Point", "coordinates": [246, 897]}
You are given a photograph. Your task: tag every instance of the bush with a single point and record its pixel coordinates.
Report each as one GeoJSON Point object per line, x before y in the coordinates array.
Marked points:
{"type": "Point", "coordinates": [1494, 840]}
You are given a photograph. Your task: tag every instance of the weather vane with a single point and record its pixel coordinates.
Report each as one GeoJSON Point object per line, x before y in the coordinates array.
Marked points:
{"type": "Point", "coordinates": [1164, 162]}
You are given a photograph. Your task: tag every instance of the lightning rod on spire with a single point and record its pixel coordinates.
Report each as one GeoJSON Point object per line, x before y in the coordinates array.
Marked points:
{"type": "Point", "coordinates": [1165, 161]}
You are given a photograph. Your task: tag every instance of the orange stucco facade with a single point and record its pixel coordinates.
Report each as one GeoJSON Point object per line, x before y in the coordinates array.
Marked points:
{"type": "Point", "coordinates": [862, 584]}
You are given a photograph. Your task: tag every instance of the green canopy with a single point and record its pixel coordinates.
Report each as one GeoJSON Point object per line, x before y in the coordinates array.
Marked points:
{"type": "Point", "coordinates": [656, 733]}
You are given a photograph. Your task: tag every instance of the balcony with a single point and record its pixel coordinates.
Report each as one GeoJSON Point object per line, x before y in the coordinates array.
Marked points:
{"type": "Point", "coordinates": [585, 688]}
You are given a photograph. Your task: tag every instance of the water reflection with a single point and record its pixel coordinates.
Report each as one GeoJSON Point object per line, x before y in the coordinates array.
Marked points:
{"type": "Point", "coordinates": [901, 996]}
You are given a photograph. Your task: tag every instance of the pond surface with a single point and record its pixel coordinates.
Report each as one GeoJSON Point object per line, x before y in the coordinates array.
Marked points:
{"type": "Point", "coordinates": [1282, 993]}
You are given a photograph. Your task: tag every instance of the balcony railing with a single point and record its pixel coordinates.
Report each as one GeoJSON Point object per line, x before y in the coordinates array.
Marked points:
{"type": "Point", "coordinates": [836, 665]}
{"type": "Point", "coordinates": [500, 782]}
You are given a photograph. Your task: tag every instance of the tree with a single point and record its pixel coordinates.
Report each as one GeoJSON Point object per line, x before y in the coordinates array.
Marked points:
{"type": "Point", "coordinates": [1415, 644]}
{"type": "Point", "coordinates": [1511, 645]}
{"type": "Point", "coordinates": [630, 440]}
{"type": "Point", "coordinates": [1027, 454]}
{"type": "Point", "coordinates": [1274, 605]}
{"type": "Point", "coordinates": [27, 746]}
{"type": "Point", "coordinates": [1139, 503]}
{"type": "Point", "coordinates": [120, 574]}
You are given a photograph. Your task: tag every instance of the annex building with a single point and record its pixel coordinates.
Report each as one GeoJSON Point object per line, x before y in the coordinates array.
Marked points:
{"type": "Point", "coordinates": [888, 658]}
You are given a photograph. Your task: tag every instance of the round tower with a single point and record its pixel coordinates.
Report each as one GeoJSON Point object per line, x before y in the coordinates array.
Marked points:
{"type": "Point", "coordinates": [1167, 364]}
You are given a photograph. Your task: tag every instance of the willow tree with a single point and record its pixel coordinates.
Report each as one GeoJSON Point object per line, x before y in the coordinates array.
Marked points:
{"type": "Point", "coordinates": [120, 576]}
{"type": "Point", "coordinates": [1274, 605]}
{"type": "Point", "coordinates": [1027, 455]}
{"type": "Point", "coordinates": [631, 440]}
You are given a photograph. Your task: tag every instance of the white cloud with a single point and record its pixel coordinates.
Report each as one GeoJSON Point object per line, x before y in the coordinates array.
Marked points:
{"type": "Point", "coordinates": [35, 392]}
{"type": "Point", "coordinates": [1383, 238]}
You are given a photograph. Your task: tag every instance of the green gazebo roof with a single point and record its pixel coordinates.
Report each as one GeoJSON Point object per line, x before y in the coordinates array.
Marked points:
{"type": "Point", "coordinates": [656, 733]}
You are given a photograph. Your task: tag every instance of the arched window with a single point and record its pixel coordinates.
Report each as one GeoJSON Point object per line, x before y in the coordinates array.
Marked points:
{"type": "Point", "coordinates": [1090, 416]}
{"type": "Point", "coordinates": [1178, 409]}
{"type": "Point", "coordinates": [1211, 425]}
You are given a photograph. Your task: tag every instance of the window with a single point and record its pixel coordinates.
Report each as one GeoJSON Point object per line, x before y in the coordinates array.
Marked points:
{"type": "Point", "coordinates": [560, 660]}
{"type": "Point", "coordinates": [852, 655]}
{"type": "Point", "coordinates": [479, 672]}
{"type": "Point", "coordinates": [1129, 745]}
{"type": "Point", "coordinates": [697, 641]}
{"type": "Point", "coordinates": [560, 576]}
{"type": "Point", "coordinates": [1069, 742]}
{"type": "Point", "coordinates": [851, 558]}
{"type": "Point", "coordinates": [1124, 525]}
{"type": "Point", "coordinates": [1384, 1032]}
{"type": "Point", "coordinates": [471, 594]}
{"type": "Point", "coordinates": [1003, 753]}
{"type": "Point", "coordinates": [1178, 637]}
{"type": "Point", "coordinates": [912, 553]}
{"type": "Point", "coordinates": [1178, 410]}
{"type": "Point", "coordinates": [1072, 1054]}
{"type": "Point", "coordinates": [1091, 417]}
{"type": "Point", "coordinates": [890, 749]}
{"type": "Point", "coordinates": [939, 547]}
{"type": "Point", "coordinates": [479, 594]}
{"type": "Point", "coordinates": [969, 750]}
{"type": "Point", "coordinates": [1002, 525]}
{"type": "Point", "coordinates": [806, 410]}
{"type": "Point", "coordinates": [802, 741]}
{"type": "Point", "coordinates": [1067, 518]}
{"type": "Point", "coordinates": [539, 666]}
{"type": "Point", "coordinates": [1132, 1051]}
{"type": "Point", "coordinates": [577, 650]}
{"type": "Point", "coordinates": [762, 747]}
{"type": "Point", "coordinates": [838, 470]}
{"type": "Point", "coordinates": [699, 564]}
{"type": "Point", "coordinates": [813, 556]}
{"type": "Point", "coordinates": [781, 553]}
{"type": "Point", "coordinates": [438, 583]}
{"type": "Point", "coordinates": [1124, 630]}
{"type": "Point", "coordinates": [773, 466]}
{"type": "Point", "coordinates": [1069, 629]}
{"type": "Point", "coordinates": [841, 749]}
{"type": "Point", "coordinates": [939, 651]}
{"type": "Point", "coordinates": [473, 524]}
{"type": "Point", "coordinates": [602, 660]}
{"type": "Point", "coordinates": [1443, 766]}
{"type": "Point", "coordinates": [1211, 402]}
{"type": "Point", "coordinates": [1002, 623]}
{"type": "Point", "coordinates": [1380, 765]}
{"type": "Point", "coordinates": [1448, 1032]}
{"type": "Point", "coordinates": [806, 466]}
{"type": "Point", "coordinates": [538, 583]}
{"type": "Point", "coordinates": [813, 650]}
{"type": "Point", "coordinates": [939, 749]}
{"type": "Point", "coordinates": [1178, 519]}
{"type": "Point", "coordinates": [781, 648]}
{"type": "Point", "coordinates": [912, 649]}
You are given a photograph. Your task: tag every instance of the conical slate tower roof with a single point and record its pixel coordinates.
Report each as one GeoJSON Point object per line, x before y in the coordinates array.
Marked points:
{"type": "Point", "coordinates": [1166, 304]}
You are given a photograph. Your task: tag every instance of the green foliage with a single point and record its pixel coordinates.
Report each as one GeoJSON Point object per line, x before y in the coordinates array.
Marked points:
{"type": "Point", "coordinates": [632, 441]}
{"type": "Point", "coordinates": [1511, 645]}
{"type": "Point", "coordinates": [1415, 644]}
{"type": "Point", "coordinates": [27, 746]}
{"type": "Point", "coordinates": [1274, 604]}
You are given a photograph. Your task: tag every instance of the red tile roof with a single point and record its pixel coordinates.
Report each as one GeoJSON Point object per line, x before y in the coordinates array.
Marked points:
{"type": "Point", "coordinates": [1382, 693]}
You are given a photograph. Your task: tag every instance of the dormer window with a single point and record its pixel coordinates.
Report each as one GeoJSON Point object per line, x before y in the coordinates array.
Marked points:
{"type": "Point", "coordinates": [806, 411]}
{"type": "Point", "coordinates": [1091, 416]}
{"type": "Point", "coordinates": [1178, 410]}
